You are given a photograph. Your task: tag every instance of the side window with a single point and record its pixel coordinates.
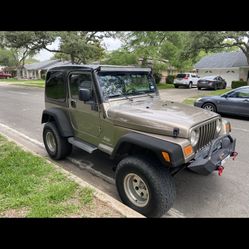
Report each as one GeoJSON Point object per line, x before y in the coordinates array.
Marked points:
{"type": "Point", "coordinates": [55, 86]}
{"type": "Point", "coordinates": [243, 93]}
{"type": "Point", "coordinates": [193, 75]}
{"type": "Point", "coordinates": [78, 81]}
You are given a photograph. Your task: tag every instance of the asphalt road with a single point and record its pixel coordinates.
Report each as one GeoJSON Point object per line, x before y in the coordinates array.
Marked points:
{"type": "Point", "coordinates": [197, 196]}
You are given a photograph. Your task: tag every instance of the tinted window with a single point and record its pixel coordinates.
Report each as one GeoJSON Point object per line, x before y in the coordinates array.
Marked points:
{"type": "Point", "coordinates": [55, 87]}
{"type": "Point", "coordinates": [181, 75]}
{"type": "Point", "coordinates": [78, 81]}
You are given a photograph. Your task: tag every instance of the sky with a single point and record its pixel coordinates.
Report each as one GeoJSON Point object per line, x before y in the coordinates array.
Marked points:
{"type": "Point", "coordinates": [109, 43]}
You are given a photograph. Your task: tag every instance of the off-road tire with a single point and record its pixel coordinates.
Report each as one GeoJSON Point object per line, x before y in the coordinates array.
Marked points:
{"type": "Point", "coordinates": [160, 183]}
{"type": "Point", "coordinates": [63, 147]}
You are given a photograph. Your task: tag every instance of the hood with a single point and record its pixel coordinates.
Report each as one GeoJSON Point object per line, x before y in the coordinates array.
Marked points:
{"type": "Point", "coordinates": [157, 116]}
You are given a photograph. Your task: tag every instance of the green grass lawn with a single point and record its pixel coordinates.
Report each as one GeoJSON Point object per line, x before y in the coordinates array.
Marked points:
{"type": "Point", "coordinates": [31, 187]}
{"type": "Point", "coordinates": [162, 86]}
{"type": "Point", "coordinates": [191, 100]}
{"type": "Point", "coordinates": [36, 83]}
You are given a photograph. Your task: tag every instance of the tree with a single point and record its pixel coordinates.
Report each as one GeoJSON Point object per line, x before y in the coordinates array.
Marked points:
{"type": "Point", "coordinates": [7, 57]}
{"type": "Point", "coordinates": [121, 57]}
{"type": "Point", "coordinates": [158, 46]}
{"type": "Point", "coordinates": [25, 43]}
{"type": "Point", "coordinates": [77, 46]}
{"type": "Point", "coordinates": [217, 41]}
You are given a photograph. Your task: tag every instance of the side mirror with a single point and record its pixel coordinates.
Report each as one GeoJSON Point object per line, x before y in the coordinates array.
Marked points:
{"type": "Point", "coordinates": [84, 94]}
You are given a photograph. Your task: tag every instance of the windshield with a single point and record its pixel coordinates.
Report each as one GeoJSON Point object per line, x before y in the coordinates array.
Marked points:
{"type": "Point", "coordinates": [114, 84]}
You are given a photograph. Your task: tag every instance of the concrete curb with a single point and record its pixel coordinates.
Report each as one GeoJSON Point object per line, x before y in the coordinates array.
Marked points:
{"type": "Point", "coordinates": [110, 201]}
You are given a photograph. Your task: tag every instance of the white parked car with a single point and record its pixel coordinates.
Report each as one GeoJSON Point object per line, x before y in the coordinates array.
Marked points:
{"type": "Point", "coordinates": [186, 79]}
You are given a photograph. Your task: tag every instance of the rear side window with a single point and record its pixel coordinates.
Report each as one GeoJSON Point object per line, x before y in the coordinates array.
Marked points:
{"type": "Point", "coordinates": [55, 86]}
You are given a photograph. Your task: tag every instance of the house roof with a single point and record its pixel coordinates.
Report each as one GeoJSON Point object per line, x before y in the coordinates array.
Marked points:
{"type": "Point", "coordinates": [40, 65]}
{"type": "Point", "coordinates": [223, 60]}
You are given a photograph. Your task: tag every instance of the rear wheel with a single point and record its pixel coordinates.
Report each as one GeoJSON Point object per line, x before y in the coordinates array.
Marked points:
{"type": "Point", "coordinates": [144, 186]}
{"type": "Point", "coordinates": [209, 107]}
{"type": "Point", "coordinates": [198, 88]}
{"type": "Point", "coordinates": [176, 86]}
{"type": "Point", "coordinates": [56, 145]}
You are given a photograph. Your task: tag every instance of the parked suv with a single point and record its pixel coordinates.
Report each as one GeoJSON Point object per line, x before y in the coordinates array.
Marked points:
{"type": "Point", "coordinates": [118, 111]}
{"type": "Point", "coordinates": [186, 79]}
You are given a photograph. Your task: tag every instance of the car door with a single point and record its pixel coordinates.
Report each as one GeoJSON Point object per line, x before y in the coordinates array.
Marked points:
{"type": "Point", "coordinates": [237, 102]}
{"type": "Point", "coordinates": [85, 116]}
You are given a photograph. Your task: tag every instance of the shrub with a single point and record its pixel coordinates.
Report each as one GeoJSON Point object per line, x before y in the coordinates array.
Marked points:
{"type": "Point", "coordinates": [157, 77]}
{"type": "Point", "coordinates": [170, 79]}
{"type": "Point", "coordinates": [236, 84]}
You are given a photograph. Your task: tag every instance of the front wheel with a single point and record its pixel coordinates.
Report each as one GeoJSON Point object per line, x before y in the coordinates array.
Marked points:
{"type": "Point", "coordinates": [145, 186]}
{"type": "Point", "coordinates": [56, 145]}
{"type": "Point", "coordinates": [209, 107]}
{"type": "Point", "coordinates": [190, 85]}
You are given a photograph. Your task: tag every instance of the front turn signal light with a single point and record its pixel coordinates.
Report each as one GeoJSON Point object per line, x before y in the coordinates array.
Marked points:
{"type": "Point", "coordinates": [188, 150]}
{"type": "Point", "coordinates": [166, 156]}
{"type": "Point", "coordinates": [228, 128]}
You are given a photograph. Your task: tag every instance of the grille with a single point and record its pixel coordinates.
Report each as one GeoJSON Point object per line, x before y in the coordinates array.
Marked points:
{"type": "Point", "coordinates": [207, 134]}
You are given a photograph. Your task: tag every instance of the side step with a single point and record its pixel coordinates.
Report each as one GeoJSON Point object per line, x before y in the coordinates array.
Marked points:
{"type": "Point", "coordinates": [82, 145]}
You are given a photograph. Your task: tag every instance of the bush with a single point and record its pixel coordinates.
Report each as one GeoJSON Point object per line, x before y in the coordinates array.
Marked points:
{"type": "Point", "coordinates": [157, 77]}
{"type": "Point", "coordinates": [236, 84]}
{"type": "Point", "coordinates": [170, 79]}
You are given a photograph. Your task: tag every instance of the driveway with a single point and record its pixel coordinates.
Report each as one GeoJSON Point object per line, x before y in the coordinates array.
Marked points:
{"type": "Point", "coordinates": [179, 94]}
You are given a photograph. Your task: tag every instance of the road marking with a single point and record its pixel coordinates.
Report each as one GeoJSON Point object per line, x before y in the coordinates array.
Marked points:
{"type": "Point", "coordinates": [172, 212]}
{"type": "Point", "coordinates": [240, 129]}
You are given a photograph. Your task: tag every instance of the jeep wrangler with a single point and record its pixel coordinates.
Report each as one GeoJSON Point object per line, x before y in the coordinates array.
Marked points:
{"type": "Point", "coordinates": [118, 110]}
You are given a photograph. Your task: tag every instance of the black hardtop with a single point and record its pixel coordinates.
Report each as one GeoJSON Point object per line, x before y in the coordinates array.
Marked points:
{"type": "Point", "coordinates": [102, 68]}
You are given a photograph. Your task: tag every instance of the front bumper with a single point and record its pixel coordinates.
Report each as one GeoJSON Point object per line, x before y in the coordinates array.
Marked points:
{"type": "Point", "coordinates": [212, 156]}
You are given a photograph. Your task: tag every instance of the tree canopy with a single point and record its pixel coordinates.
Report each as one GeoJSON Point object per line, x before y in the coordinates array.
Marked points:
{"type": "Point", "coordinates": [77, 46]}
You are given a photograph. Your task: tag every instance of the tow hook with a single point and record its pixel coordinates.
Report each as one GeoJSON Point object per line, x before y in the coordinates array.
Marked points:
{"type": "Point", "coordinates": [220, 170]}
{"type": "Point", "coordinates": [234, 155]}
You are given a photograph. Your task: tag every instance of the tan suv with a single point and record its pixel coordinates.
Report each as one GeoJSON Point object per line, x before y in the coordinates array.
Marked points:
{"type": "Point", "coordinates": [118, 111]}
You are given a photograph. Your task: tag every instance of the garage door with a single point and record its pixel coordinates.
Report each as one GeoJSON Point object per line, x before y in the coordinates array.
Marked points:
{"type": "Point", "coordinates": [230, 75]}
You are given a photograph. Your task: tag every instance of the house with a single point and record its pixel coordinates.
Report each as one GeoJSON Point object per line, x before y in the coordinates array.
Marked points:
{"type": "Point", "coordinates": [36, 70]}
{"type": "Point", "coordinates": [231, 66]}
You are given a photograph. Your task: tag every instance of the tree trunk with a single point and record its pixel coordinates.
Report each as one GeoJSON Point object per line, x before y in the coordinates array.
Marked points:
{"type": "Point", "coordinates": [72, 58]}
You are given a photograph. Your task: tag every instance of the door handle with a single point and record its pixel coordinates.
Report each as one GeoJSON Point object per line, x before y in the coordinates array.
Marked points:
{"type": "Point", "coordinates": [73, 103]}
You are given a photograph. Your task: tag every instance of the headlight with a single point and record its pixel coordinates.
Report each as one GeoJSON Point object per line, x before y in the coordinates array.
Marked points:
{"type": "Point", "coordinates": [198, 100]}
{"type": "Point", "coordinates": [218, 125]}
{"type": "Point", "coordinates": [194, 137]}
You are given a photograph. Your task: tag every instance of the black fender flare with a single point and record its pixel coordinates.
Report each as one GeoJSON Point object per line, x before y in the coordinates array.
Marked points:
{"type": "Point", "coordinates": [153, 144]}
{"type": "Point", "coordinates": [61, 120]}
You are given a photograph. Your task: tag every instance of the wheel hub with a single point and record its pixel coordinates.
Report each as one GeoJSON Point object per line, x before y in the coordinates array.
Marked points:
{"type": "Point", "coordinates": [136, 190]}
{"type": "Point", "coordinates": [51, 141]}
